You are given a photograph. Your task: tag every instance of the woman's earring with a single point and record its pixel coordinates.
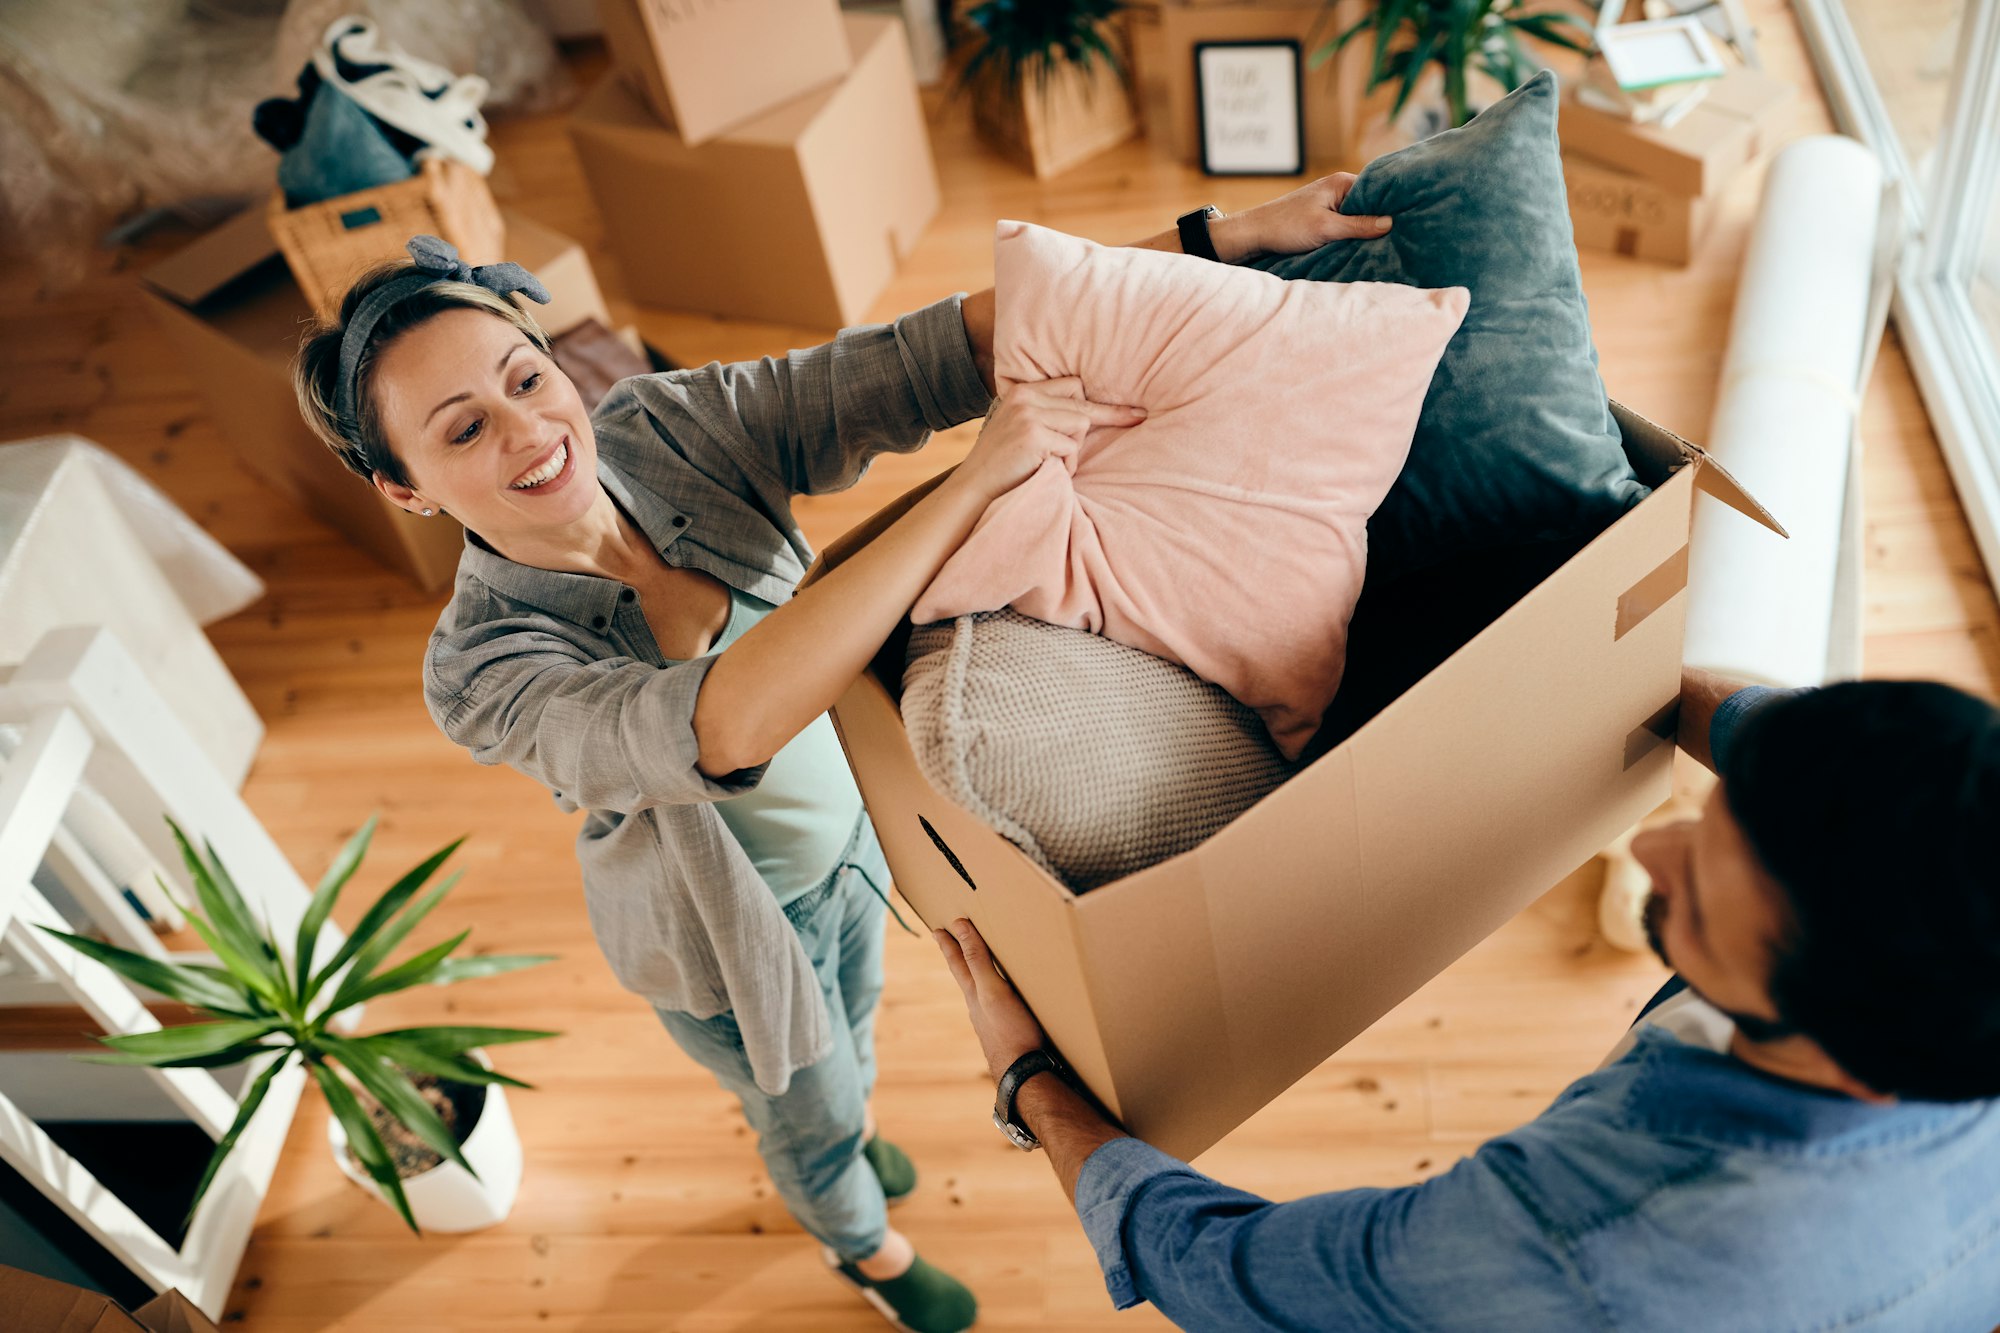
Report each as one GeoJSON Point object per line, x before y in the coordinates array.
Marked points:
{"type": "Point", "coordinates": [428, 512]}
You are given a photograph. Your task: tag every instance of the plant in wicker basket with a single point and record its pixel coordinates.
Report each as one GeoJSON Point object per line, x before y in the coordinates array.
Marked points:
{"type": "Point", "coordinates": [1033, 39]}
{"type": "Point", "coordinates": [1457, 36]}
{"type": "Point", "coordinates": [273, 1009]}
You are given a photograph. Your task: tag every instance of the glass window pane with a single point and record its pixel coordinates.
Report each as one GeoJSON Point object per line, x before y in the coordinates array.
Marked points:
{"type": "Point", "coordinates": [1910, 46]}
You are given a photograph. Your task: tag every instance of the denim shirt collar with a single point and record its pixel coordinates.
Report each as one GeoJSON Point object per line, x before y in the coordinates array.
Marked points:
{"type": "Point", "coordinates": [584, 599]}
{"type": "Point", "coordinates": [1686, 1091]}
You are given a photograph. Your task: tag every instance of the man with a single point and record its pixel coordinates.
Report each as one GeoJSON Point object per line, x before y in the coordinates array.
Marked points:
{"type": "Point", "coordinates": [1806, 1137]}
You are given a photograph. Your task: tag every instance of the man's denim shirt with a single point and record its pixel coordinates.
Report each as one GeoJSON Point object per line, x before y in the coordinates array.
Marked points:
{"type": "Point", "coordinates": [1676, 1188]}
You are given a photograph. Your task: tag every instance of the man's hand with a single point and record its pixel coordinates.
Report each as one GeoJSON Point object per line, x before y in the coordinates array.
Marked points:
{"type": "Point", "coordinates": [1294, 223]}
{"type": "Point", "coordinates": [1000, 1019]}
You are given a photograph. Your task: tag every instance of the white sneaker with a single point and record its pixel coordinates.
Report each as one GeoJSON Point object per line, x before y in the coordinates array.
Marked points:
{"type": "Point", "coordinates": [423, 100]}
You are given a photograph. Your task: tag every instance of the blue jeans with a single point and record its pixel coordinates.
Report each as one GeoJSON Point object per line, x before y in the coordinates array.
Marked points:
{"type": "Point", "coordinates": [810, 1138]}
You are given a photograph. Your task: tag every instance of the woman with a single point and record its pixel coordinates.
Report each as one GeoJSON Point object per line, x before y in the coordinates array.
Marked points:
{"type": "Point", "coordinates": [624, 630]}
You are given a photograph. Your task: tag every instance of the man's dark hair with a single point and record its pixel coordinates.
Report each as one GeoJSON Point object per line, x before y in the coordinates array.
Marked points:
{"type": "Point", "coordinates": [1875, 805]}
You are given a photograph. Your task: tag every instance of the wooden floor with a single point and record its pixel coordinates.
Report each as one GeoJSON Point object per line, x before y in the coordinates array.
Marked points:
{"type": "Point", "coordinates": [644, 1206]}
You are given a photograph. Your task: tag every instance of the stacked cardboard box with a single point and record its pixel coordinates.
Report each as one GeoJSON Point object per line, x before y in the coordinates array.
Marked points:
{"type": "Point", "coordinates": [797, 214]}
{"type": "Point", "coordinates": [234, 310]}
{"type": "Point", "coordinates": [1649, 190]}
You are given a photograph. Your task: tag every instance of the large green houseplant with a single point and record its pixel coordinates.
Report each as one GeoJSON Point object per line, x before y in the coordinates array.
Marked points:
{"type": "Point", "coordinates": [1047, 81]}
{"type": "Point", "coordinates": [265, 1006]}
{"type": "Point", "coordinates": [1458, 36]}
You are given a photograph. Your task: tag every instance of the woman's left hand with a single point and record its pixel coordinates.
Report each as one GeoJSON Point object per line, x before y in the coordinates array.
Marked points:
{"type": "Point", "coordinates": [1294, 223]}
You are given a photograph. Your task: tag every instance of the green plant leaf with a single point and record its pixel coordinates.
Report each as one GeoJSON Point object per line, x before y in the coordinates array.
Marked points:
{"type": "Point", "coordinates": [239, 965]}
{"type": "Point", "coordinates": [321, 907]}
{"type": "Point", "coordinates": [412, 971]}
{"type": "Point", "coordinates": [420, 1061]}
{"type": "Point", "coordinates": [246, 1110]}
{"type": "Point", "coordinates": [177, 981]}
{"type": "Point", "coordinates": [486, 965]}
{"type": "Point", "coordinates": [260, 926]}
{"type": "Point", "coordinates": [458, 1040]}
{"type": "Point", "coordinates": [1339, 43]}
{"type": "Point", "coordinates": [1389, 16]}
{"type": "Point", "coordinates": [371, 958]}
{"type": "Point", "coordinates": [361, 1135]}
{"type": "Point", "coordinates": [1414, 72]}
{"type": "Point", "coordinates": [1548, 28]}
{"type": "Point", "coordinates": [399, 1097]}
{"type": "Point", "coordinates": [193, 1039]}
{"type": "Point", "coordinates": [222, 1059]}
{"type": "Point", "coordinates": [225, 909]}
{"type": "Point", "coordinates": [377, 916]}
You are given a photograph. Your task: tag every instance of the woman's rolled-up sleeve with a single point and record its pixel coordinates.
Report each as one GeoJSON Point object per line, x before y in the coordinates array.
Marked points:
{"type": "Point", "coordinates": [614, 735]}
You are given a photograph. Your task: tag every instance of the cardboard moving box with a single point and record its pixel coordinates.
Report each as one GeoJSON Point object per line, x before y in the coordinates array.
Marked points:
{"type": "Point", "coordinates": [798, 217]}
{"type": "Point", "coordinates": [1630, 215]}
{"type": "Point", "coordinates": [232, 307]}
{"type": "Point", "coordinates": [1742, 115]}
{"type": "Point", "coordinates": [37, 1304]}
{"type": "Point", "coordinates": [1189, 995]}
{"type": "Point", "coordinates": [706, 66]}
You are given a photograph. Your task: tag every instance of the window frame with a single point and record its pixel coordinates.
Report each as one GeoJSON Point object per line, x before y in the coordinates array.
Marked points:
{"type": "Point", "coordinates": [1955, 358]}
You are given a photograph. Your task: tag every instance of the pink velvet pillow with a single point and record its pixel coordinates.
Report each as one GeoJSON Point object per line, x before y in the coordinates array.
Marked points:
{"type": "Point", "coordinates": [1228, 531]}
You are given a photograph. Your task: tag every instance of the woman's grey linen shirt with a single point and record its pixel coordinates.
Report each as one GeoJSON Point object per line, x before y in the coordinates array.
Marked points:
{"type": "Point", "coordinates": [557, 674]}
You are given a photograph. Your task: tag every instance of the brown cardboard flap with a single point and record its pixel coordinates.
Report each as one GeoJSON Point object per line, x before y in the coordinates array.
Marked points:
{"type": "Point", "coordinates": [211, 263]}
{"type": "Point", "coordinates": [1715, 479]}
{"type": "Point", "coordinates": [1654, 732]}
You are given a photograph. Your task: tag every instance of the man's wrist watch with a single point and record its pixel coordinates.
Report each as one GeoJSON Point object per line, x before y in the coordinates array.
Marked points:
{"type": "Point", "coordinates": [1004, 1117]}
{"type": "Point", "coordinates": [1193, 228]}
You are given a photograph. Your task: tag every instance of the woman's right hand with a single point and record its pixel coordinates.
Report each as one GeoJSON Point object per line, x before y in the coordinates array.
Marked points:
{"type": "Point", "coordinates": [1030, 424]}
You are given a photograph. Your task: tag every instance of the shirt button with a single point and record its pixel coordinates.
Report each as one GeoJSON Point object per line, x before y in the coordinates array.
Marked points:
{"type": "Point", "coordinates": [680, 520]}
{"type": "Point", "coordinates": [597, 622]}
{"type": "Point", "coordinates": [627, 595]}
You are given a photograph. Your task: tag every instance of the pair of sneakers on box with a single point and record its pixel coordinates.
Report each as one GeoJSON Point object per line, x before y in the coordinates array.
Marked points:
{"type": "Point", "coordinates": [367, 113]}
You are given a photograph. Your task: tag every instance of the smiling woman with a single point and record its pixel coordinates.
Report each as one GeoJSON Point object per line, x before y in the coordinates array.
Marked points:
{"type": "Point", "coordinates": [624, 630]}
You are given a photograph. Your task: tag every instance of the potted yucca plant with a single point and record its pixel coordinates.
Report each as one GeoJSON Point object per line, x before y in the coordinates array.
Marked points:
{"type": "Point", "coordinates": [419, 1117]}
{"type": "Point", "coordinates": [1409, 39]}
{"type": "Point", "coordinates": [1048, 86]}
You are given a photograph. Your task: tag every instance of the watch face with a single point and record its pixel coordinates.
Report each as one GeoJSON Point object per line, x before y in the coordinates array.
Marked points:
{"type": "Point", "coordinates": [1017, 1136]}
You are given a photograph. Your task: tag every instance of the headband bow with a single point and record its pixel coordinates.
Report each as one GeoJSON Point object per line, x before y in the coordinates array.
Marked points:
{"type": "Point", "coordinates": [436, 260]}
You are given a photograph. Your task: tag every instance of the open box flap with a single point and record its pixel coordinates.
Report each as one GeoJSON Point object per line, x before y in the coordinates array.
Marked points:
{"type": "Point", "coordinates": [215, 260]}
{"type": "Point", "coordinates": [1717, 480]}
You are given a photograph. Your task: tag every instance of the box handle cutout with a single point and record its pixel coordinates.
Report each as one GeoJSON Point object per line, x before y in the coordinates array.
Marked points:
{"type": "Point", "coordinates": [359, 218]}
{"type": "Point", "coordinates": [1651, 593]}
{"type": "Point", "coordinates": [947, 853]}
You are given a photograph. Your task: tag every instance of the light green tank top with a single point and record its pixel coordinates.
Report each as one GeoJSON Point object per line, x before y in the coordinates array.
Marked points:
{"type": "Point", "coordinates": [796, 822]}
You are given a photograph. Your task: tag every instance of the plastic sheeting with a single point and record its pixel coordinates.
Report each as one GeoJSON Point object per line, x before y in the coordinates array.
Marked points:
{"type": "Point", "coordinates": [112, 107]}
{"type": "Point", "coordinates": [1761, 608]}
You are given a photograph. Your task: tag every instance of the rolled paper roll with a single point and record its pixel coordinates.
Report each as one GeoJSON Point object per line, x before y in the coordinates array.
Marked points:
{"type": "Point", "coordinates": [1761, 607]}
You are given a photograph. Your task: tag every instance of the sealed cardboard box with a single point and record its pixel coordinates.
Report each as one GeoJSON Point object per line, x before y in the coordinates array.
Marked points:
{"type": "Point", "coordinates": [1189, 995]}
{"type": "Point", "coordinates": [1630, 215]}
{"type": "Point", "coordinates": [706, 67]}
{"type": "Point", "coordinates": [232, 307]}
{"type": "Point", "coordinates": [798, 217]}
{"type": "Point", "coordinates": [37, 1304]}
{"type": "Point", "coordinates": [1742, 114]}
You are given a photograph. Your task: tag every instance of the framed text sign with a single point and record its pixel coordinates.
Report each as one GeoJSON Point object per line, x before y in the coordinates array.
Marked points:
{"type": "Point", "coordinates": [1247, 100]}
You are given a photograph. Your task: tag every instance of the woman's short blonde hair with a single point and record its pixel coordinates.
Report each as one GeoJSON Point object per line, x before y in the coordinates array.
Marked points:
{"type": "Point", "coordinates": [360, 443]}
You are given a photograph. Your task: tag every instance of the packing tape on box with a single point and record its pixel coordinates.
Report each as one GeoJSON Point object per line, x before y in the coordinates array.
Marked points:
{"type": "Point", "coordinates": [1759, 607]}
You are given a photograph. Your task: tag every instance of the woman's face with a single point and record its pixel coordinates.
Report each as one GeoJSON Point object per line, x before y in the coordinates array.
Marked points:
{"type": "Point", "coordinates": [488, 428]}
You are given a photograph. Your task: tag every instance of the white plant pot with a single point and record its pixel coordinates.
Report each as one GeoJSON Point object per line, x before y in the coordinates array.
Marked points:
{"type": "Point", "coordinates": [447, 1197]}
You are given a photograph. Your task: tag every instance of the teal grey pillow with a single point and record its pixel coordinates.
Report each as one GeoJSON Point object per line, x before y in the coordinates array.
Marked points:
{"type": "Point", "coordinates": [1515, 443]}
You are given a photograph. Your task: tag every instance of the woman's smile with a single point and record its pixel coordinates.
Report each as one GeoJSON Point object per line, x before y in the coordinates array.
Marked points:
{"type": "Point", "coordinates": [551, 472]}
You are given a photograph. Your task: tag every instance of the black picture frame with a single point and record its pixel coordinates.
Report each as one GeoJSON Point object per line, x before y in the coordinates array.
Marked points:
{"type": "Point", "coordinates": [1288, 106]}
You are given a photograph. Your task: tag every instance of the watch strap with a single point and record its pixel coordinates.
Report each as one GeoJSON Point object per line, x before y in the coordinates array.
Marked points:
{"type": "Point", "coordinates": [1018, 1073]}
{"type": "Point", "coordinates": [1193, 227]}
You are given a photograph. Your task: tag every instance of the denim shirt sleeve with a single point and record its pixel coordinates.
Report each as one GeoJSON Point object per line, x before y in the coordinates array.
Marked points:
{"type": "Point", "coordinates": [1208, 1256]}
{"type": "Point", "coordinates": [614, 735]}
{"type": "Point", "coordinates": [1733, 712]}
{"type": "Point", "coordinates": [812, 419]}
